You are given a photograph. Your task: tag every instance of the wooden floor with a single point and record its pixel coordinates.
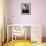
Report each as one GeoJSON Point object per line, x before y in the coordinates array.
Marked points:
{"type": "Point", "coordinates": [18, 43]}
{"type": "Point", "coordinates": [23, 43]}
{"type": "Point", "coordinates": [43, 39]}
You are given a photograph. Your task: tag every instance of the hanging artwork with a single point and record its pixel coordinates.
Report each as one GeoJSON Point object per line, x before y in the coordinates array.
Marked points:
{"type": "Point", "coordinates": [26, 8]}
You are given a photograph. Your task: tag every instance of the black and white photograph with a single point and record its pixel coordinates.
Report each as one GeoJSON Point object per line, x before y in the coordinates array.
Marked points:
{"type": "Point", "coordinates": [26, 8]}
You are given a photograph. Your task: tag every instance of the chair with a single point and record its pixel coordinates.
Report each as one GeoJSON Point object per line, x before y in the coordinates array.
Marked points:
{"type": "Point", "coordinates": [17, 31]}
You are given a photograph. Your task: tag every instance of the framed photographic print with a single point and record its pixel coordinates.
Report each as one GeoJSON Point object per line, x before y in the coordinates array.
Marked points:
{"type": "Point", "coordinates": [26, 8]}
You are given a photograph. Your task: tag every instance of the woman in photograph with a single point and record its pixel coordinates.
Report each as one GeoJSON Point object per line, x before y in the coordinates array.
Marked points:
{"type": "Point", "coordinates": [25, 8]}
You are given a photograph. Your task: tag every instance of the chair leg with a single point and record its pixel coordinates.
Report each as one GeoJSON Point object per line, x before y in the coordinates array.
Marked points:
{"type": "Point", "coordinates": [15, 38]}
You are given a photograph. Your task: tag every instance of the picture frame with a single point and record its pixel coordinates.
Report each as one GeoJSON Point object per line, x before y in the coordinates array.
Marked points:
{"type": "Point", "coordinates": [26, 8]}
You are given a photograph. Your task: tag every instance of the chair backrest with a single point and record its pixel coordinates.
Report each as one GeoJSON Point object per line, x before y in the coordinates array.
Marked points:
{"type": "Point", "coordinates": [18, 30]}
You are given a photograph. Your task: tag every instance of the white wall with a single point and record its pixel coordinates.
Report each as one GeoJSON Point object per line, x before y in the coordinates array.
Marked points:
{"type": "Point", "coordinates": [1, 20]}
{"type": "Point", "coordinates": [38, 13]}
